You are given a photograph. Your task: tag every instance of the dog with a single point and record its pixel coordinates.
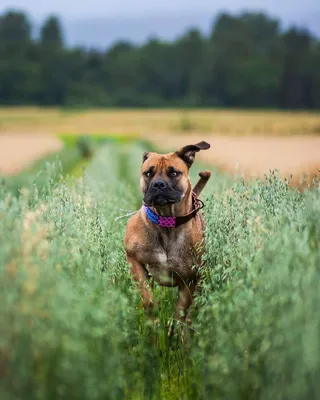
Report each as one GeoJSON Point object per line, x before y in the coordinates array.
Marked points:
{"type": "Point", "coordinates": [164, 239]}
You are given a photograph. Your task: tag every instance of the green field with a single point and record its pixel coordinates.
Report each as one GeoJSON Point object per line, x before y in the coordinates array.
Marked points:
{"type": "Point", "coordinates": [71, 323]}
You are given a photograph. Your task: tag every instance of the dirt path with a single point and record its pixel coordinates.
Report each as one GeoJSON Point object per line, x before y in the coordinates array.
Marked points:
{"type": "Point", "coordinates": [254, 156]}
{"type": "Point", "coordinates": [19, 151]}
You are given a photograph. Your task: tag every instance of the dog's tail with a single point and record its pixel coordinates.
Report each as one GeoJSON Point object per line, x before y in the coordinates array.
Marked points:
{"type": "Point", "coordinates": [204, 177]}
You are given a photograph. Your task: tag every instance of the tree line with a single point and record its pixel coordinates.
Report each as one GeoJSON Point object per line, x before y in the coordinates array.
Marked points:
{"type": "Point", "coordinates": [246, 61]}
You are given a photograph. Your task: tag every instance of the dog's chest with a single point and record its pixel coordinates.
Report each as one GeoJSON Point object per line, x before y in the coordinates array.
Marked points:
{"type": "Point", "coordinates": [172, 256]}
{"type": "Point", "coordinates": [172, 248]}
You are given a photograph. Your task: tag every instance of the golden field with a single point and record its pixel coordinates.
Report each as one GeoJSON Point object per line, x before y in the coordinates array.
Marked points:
{"type": "Point", "coordinates": [149, 122]}
{"type": "Point", "coordinates": [242, 142]}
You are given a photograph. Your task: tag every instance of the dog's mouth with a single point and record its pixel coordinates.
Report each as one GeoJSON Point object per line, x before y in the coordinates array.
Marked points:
{"type": "Point", "coordinates": [160, 199]}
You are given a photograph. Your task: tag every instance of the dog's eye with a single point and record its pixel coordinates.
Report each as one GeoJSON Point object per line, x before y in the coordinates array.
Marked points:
{"type": "Point", "coordinates": [147, 174]}
{"type": "Point", "coordinates": [174, 174]}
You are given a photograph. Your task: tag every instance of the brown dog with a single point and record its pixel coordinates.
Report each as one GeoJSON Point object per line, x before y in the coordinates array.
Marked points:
{"type": "Point", "coordinates": [164, 238]}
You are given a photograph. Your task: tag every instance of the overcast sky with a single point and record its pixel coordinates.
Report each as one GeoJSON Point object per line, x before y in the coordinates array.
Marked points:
{"type": "Point", "coordinates": [99, 23]}
{"type": "Point", "coordinates": [71, 9]}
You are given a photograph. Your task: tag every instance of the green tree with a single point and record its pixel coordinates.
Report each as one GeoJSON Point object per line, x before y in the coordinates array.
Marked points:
{"type": "Point", "coordinates": [53, 64]}
{"type": "Point", "coordinates": [247, 61]}
{"type": "Point", "coordinates": [120, 73]}
{"type": "Point", "coordinates": [245, 58]}
{"type": "Point", "coordinates": [190, 53]}
{"type": "Point", "coordinates": [15, 31]}
{"type": "Point", "coordinates": [51, 33]}
{"type": "Point", "coordinates": [18, 72]}
{"type": "Point", "coordinates": [315, 75]}
{"type": "Point", "coordinates": [296, 83]}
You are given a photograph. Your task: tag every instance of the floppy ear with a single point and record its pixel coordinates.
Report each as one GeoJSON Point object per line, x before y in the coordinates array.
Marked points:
{"type": "Point", "coordinates": [188, 153]}
{"type": "Point", "coordinates": [145, 156]}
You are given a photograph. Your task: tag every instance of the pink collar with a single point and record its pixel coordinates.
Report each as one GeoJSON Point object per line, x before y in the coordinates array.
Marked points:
{"type": "Point", "coordinates": [174, 221]}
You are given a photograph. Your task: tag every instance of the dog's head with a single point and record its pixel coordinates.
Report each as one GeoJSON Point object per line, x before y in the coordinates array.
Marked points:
{"type": "Point", "coordinates": [165, 177]}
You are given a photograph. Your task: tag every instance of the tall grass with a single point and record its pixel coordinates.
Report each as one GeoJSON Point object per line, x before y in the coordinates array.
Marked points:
{"type": "Point", "coordinates": [259, 322]}
{"type": "Point", "coordinates": [42, 172]}
{"type": "Point", "coordinates": [71, 324]}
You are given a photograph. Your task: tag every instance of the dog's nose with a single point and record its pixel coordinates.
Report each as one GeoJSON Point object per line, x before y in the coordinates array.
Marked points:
{"type": "Point", "coordinates": [159, 184]}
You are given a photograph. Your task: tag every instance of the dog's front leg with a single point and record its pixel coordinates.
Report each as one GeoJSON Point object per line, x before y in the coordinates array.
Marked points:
{"type": "Point", "coordinates": [186, 292]}
{"type": "Point", "coordinates": [140, 276]}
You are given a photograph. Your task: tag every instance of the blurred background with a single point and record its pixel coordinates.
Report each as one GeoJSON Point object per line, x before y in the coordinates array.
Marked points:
{"type": "Point", "coordinates": [243, 75]}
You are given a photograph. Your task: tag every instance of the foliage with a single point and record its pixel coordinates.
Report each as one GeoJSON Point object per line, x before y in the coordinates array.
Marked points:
{"type": "Point", "coordinates": [85, 145]}
{"type": "Point", "coordinates": [43, 172]}
{"type": "Point", "coordinates": [51, 33]}
{"type": "Point", "coordinates": [258, 325]}
{"type": "Point", "coordinates": [71, 324]}
{"type": "Point", "coordinates": [247, 61]}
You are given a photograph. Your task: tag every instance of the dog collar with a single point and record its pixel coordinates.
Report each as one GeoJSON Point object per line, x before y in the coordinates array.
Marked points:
{"type": "Point", "coordinates": [174, 222]}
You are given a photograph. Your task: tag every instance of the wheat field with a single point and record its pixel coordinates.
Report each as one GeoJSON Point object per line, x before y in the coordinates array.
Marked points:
{"type": "Point", "coordinates": [243, 141]}
{"type": "Point", "coordinates": [154, 121]}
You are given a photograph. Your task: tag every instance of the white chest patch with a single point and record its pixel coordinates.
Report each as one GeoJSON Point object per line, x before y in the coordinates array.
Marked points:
{"type": "Point", "coordinates": [162, 258]}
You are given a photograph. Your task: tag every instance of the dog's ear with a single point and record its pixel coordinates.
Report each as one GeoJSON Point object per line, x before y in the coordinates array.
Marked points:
{"type": "Point", "coordinates": [188, 153]}
{"type": "Point", "coordinates": [145, 156]}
